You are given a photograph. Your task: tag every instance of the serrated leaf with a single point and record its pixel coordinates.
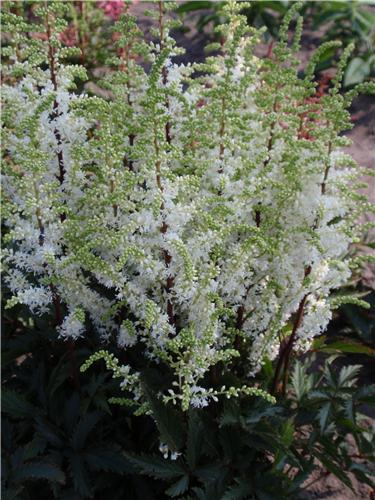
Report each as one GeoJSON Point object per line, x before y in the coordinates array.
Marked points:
{"type": "Point", "coordinates": [335, 470]}
{"type": "Point", "coordinates": [362, 321]}
{"type": "Point", "coordinates": [194, 439]}
{"type": "Point", "coordinates": [179, 487]}
{"type": "Point", "coordinates": [258, 414]}
{"type": "Point", "coordinates": [323, 415]}
{"type": "Point", "coordinates": [83, 429]}
{"type": "Point", "coordinates": [231, 414]}
{"type": "Point", "coordinates": [34, 448]}
{"type": "Point", "coordinates": [100, 401]}
{"type": "Point", "coordinates": [58, 376]}
{"type": "Point", "coordinates": [39, 470]}
{"type": "Point", "coordinates": [71, 412]}
{"type": "Point", "coordinates": [239, 491]}
{"type": "Point", "coordinates": [211, 472]}
{"type": "Point", "coordinates": [80, 475]}
{"type": "Point", "coordinates": [362, 473]}
{"type": "Point", "coordinates": [15, 405]}
{"type": "Point", "coordinates": [107, 459]}
{"type": "Point", "coordinates": [348, 374]}
{"type": "Point", "coordinates": [168, 422]}
{"type": "Point", "coordinates": [301, 381]}
{"type": "Point", "coordinates": [48, 431]}
{"type": "Point", "coordinates": [155, 466]}
{"type": "Point", "coordinates": [300, 478]}
{"type": "Point", "coordinates": [365, 393]}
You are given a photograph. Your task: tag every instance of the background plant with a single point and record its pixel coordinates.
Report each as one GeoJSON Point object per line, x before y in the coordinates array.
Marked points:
{"type": "Point", "coordinates": [347, 21]}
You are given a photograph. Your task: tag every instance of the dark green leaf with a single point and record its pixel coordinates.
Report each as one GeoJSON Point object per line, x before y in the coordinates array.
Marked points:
{"type": "Point", "coordinates": [168, 422]}
{"type": "Point", "coordinates": [49, 432]}
{"type": "Point", "coordinates": [83, 429]}
{"type": "Point", "coordinates": [335, 470]}
{"type": "Point", "coordinates": [155, 466]}
{"type": "Point", "coordinates": [194, 439]}
{"type": "Point", "coordinates": [39, 470]}
{"type": "Point", "coordinates": [108, 459]}
{"type": "Point", "coordinates": [349, 347]}
{"type": "Point", "coordinates": [193, 5]}
{"type": "Point", "coordinates": [15, 405]}
{"type": "Point", "coordinates": [80, 475]}
{"type": "Point", "coordinates": [239, 491]}
{"type": "Point", "coordinates": [210, 472]}
{"type": "Point", "coordinates": [323, 415]}
{"type": "Point", "coordinates": [356, 72]}
{"type": "Point", "coordinates": [179, 487]}
{"type": "Point", "coordinates": [325, 17]}
{"type": "Point", "coordinates": [34, 448]}
{"type": "Point", "coordinates": [58, 376]}
{"type": "Point", "coordinates": [348, 374]}
{"type": "Point", "coordinates": [363, 474]}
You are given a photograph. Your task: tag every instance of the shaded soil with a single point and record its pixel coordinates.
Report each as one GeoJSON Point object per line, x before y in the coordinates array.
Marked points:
{"type": "Point", "coordinates": [328, 487]}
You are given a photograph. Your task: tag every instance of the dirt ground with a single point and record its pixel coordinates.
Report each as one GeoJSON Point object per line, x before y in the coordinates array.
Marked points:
{"type": "Point", "coordinates": [362, 150]}
{"type": "Point", "coordinates": [330, 488]}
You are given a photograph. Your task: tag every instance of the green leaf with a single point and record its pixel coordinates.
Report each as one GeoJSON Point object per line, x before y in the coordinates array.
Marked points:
{"type": "Point", "coordinates": [80, 475]}
{"type": "Point", "coordinates": [39, 470]}
{"type": "Point", "coordinates": [49, 432]}
{"type": "Point", "coordinates": [348, 374]}
{"type": "Point", "coordinates": [179, 487]}
{"type": "Point", "coordinates": [363, 322]}
{"type": "Point", "coordinates": [362, 473]}
{"type": "Point", "coordinates": [326, 16]}
{"type": "Point", "coordinates": [16, 405]}
{"type": "Point", "coordinates": [211, 472]}
{"type": "Point", "coordinates": [301, 382]}
{"type": "Point", "coordinates": [323, 415]}
{"type": "Point", "coordinates": [168, 422]}
{"type": "Point", "coordinates": [335, 470]}
{"type": "Point", "coordinates": [155, 466]}
{"type": "Point", "coordinates": [193, 5]}
{"type": "Point", "coordinates": [15, 347]}
{"type": "Point", "coordinates": [348, 347]}
{"type": "Point", "coordinates": [35, 447]}
{"type": "Point", "coordinates": [365, 394]}
{"type": "Point", "coordinates": [240, 491]}
{"type": "Point", "coordinates": [367, 18]}
{"type": "Point", "coordinates": [231, 413]}
{"type": "Point", "coordinates": [58, 376]}
{"type": "Point", "coordinates": [109, 458]}
{"type": "Point", "coordinates": [194, 439]}
{"type": "Point", "coordinates": [277, 6]}
{"type": "Point", "coordinates": [356, 72]}
{"type": "Point", "coordinates": [83, 429]}
{"type": "Point", "coordinates": [258, 414]}
{"type": "Point", "coordinates": [267, 369]}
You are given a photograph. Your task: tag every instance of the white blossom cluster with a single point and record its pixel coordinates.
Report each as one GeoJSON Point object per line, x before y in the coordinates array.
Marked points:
{"type": "Point", "coordinates": [203, 211]}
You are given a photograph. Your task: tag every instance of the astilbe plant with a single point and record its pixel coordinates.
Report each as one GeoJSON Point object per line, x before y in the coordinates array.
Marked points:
{"type": "Point", "coordinates": [200, 216]}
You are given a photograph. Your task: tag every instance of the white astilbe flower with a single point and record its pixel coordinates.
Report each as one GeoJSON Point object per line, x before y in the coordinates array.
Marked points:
{"type": "Point", "coordinates": [73, 325]}
{"type": "Point", "coordinates": [199, 215]}
{"type": "Point", "coordinates": [37, 298]}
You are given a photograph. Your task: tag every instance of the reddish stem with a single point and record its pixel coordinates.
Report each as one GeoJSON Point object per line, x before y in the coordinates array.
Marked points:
{"type": "Point", "coordinates": [52, 67]}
